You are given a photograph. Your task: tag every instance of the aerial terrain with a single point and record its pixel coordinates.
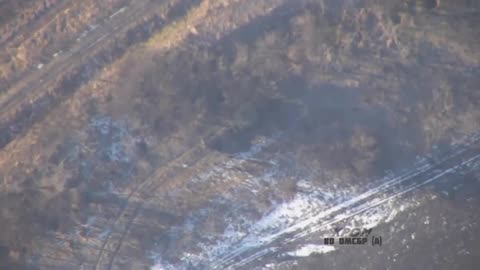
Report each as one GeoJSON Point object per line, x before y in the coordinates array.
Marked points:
{"type": "Point", "coordinates": [239, 134]}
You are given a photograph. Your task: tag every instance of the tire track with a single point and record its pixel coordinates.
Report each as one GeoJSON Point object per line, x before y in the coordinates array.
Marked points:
{"type": "Point", "coordinates": [148, 188]}
{"type": "Point", "coordinates": [342, 216]}
{"type": "Point", "coordinates": [192, 156]}
{"type": "Point", "coordinates": [462, 156]}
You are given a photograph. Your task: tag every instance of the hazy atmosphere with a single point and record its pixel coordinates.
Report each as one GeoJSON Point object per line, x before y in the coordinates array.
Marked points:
{"type": "Point", "coordinates": [239, 134]}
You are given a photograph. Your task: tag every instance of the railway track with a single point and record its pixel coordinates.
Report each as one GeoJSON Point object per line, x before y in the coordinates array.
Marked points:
{"type": "Point", "coordinates": [37, 83]}
{"type": "Point", "coordinates": [46, 86]}
{"type": "Point", "coordinates": [27, 31]}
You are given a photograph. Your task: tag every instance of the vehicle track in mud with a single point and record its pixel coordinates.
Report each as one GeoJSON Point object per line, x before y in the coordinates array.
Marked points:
{"type": "Point", "coordinates": [145, 188]}
{"type": "Point", "coordinates": [109, 248]}
{"type": "Point", "coordinates": [461, 159]}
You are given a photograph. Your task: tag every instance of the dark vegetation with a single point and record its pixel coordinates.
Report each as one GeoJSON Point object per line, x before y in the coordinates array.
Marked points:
{"type": "Point", "coordinates": [9, 9]}
{"type": "Point", "coordinates": [282, 72]}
